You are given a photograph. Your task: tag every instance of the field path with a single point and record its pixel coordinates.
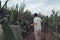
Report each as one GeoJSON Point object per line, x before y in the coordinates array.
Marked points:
{"type": "Point", "coordinates": [48, 36]}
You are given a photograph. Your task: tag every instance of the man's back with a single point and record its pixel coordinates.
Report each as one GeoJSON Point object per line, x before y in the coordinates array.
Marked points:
{"type": "Point", "coordinates": [38, 25]}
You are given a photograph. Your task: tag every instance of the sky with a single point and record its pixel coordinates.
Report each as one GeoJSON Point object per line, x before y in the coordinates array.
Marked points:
{"type": "Point", "coordinates": [35, 6]}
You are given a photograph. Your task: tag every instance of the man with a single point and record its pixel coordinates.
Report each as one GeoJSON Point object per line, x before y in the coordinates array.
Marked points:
{"type": "Point", "coordinates": [37, 26]}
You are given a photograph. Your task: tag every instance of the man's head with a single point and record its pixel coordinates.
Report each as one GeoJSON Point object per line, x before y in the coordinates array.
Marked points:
{"type": "Point", "coordinates": [35, 15]}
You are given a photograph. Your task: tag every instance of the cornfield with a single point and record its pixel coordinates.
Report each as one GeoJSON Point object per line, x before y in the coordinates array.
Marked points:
{"type": "Point", "coordinates": [15, 15]}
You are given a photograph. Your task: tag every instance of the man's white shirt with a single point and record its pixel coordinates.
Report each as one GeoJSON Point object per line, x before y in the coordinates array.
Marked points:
{"type": "Point", "coordinates": [38, 21]}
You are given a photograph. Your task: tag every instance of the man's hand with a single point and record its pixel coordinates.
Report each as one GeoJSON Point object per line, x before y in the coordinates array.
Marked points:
{"type": "Point", "coordinates": [32, 25]}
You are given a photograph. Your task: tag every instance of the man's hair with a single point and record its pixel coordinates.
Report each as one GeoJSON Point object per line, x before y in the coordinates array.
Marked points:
{"type": "Point", "coordinates": [35, 14]}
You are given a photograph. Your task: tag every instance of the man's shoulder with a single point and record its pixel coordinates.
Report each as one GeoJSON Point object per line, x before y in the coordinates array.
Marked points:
{"type": "Point", "coordinates": [37, 18]}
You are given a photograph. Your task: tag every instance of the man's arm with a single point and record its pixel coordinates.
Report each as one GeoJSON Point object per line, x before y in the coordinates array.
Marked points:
{"type": "Point", "coordinates": [33, 24]}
